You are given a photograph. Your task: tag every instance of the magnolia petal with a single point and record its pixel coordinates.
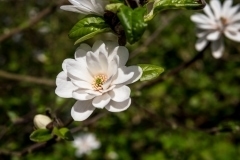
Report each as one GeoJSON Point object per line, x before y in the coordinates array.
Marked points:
{"type": "Point", "coordinates": [127, 75]}
{"type": "Point", "coordinates": [93, 63]}
{"type": "Point", "coordinates": [101, 101]}
{"type": "Point", "coordinates": [118, 106]}
{"type": "Point", "coordinates": [80, 56]}
{"type": "Point", "coordinates": [81, 95]}
{"type": "Point", "coordinates": [85, 7]}
{"type": "Point", "coordinates": [65, 62]}
{"type": "Point", "coordinates": [201, 33]}
{"type": "Point", "coordinates": [233, 35]}
{"type": "Point", "coordinates": [85, 47]}
{"type": "Point", "coordinates": [96, 93]}
{"type": "Point", "coordinates": [233, 28]}
{"type": "Point", "coordinates": [78, 71]}
{"type": "Point", "coordinates": [226, 6]}
{"type": "Point", "coordinates": [120, 94]}
{"type": "Point", "coordinates": [217, 48]}
{"type": "Point", "coordinates": [123, 55]}
{"type": "Point", "coordinates": [65, 90]}
{"type": "Point", "coordinates": [213, 36]}
{"type": "Point", "coordinates": [200, 18]}
{"type": "Point", "coordinates": [235, 18]}
{"type": "Point", "coordinates": [113, 51]}
{"type": "Point", "coordinates": [61, 78]}
{"type": "Point", "coordinates": [201, 44]}
{"type": "Point", "coordinates": [208, 11]}
{"type": "Point", "coordinates": [108, 89]}
{"type": "Point", "coordinates": [107, 83]}
{"type": "Point", "coordinates": [71, 8]}
{"type": "Point", "coordinates": [103, 61]}
{"type": "Point", "coordinates": [85, 4]}
{"type": "Point", "coordinates": [81, 110]}
{"type": "Point", "coordinates": [110, 47]}
{"type": "Point", "coordinates": [99, 47]}
{"type": "Point", "coordinates": [113, 67]}
{"type": "Point", "coordinates": [76, 2]}
{"type": "Point", "coordinates": [232, 11]}
{"type": "Point", "coordinates": [64, 86]}
{"type": "Point", "coordinates": [216, 7]}
{"type": "Point", "coordinates": [207, 26]}
{"type": "Point", "coordinates": [81, 84]}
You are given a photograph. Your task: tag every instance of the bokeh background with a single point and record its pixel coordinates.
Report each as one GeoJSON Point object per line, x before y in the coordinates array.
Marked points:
{"type": "Point", "coordinates": [192, 112]}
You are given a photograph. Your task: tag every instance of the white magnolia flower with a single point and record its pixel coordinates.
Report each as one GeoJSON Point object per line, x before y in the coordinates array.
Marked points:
{"type": "Point", "coordinates": [86, 6]}
{"type": "Point", "coordinates": [97, 78]}
{"type": "Point", "coordinates": [85, 143]}
{"type": "Point", "coordinates": [218, 21]}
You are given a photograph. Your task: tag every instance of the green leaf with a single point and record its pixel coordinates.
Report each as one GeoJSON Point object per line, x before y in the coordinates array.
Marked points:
{"type": "Point", "coordinates": [87, 28]}
{"type": "Point", "coordinates": [56, 132]}
{"type": "Point", "coordinates": [113, 7]}
{"type": "Point", "coordinates": [66, 134]}
{"type": "Point", "coordinates": [12, 115]}
{"type": "Point", "coordinates": [63, 133]}
{"type": "Point", "coordinates": [160, 5]}
{"type": "Point", "coordinates": [132, 22]}
{"type": "Point", "coordinates": [90, 35]}
{"type": "Point", "coordinates": [41, 135]}
{"type": "Point", "coordinates": [150, 71]}
{"type": "Point", "coordinates": [179, 4]}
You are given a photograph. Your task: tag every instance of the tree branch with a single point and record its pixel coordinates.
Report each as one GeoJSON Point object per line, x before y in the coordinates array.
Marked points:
{"type": "Point", "coordinates": [31, 22]}
{"type": "Point", "coordinates": [24, 78]}
{"type": "Point", "coordinates": [37, 146]}
{"type": "Point", "coordinates": [174, 71]}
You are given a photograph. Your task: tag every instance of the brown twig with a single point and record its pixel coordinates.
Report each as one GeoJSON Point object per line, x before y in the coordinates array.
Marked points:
{"type": "Point", "coordinates": [31, 22]}
{"type": "Point", "coordinates": [174, 71]}
{"type": "Point", "coordinates": [37, 146]}
{"type": "Point", "coordinates": [88, 122]}
{"type": "Point", "coordinates": [24, 78]}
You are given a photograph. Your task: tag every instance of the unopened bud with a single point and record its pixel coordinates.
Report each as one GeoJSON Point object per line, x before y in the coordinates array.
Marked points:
{"type": "Point", "coordinates": [41, 121]}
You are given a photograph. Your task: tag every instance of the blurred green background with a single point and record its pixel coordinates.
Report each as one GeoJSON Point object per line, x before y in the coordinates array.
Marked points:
{"type": "Point", "coordinates": [191, 115]}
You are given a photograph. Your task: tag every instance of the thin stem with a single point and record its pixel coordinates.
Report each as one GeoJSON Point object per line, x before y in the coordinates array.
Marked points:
{"type": "Point", "coordinates": [174, 71]}
{"type": "Point", "coordinates": [44, 13]}
{"type": "Point", "coordinates": [24, 78]}
{"type": "Point", "coordinates": [38, 146]}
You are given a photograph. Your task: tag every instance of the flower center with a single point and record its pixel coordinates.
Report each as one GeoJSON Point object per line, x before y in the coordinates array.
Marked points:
{"type": "Point", "coordinates": [223, 20]}
{"type": "Point", "coordinates": [222, 23]}
{"type": "Point", "coordinates": [98, 81]}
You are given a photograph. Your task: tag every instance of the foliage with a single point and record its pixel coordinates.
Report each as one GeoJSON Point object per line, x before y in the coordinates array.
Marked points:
{"type": "Point", "coordinates": [150, 71]}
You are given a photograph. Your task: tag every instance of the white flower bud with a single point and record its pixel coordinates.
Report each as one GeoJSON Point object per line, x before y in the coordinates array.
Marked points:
{"type": "Point", "coordinates": [41, 121]}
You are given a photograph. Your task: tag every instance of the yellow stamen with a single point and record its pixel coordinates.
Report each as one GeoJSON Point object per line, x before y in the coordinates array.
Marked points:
{"type": "Point", "coordinates": [98, 81]}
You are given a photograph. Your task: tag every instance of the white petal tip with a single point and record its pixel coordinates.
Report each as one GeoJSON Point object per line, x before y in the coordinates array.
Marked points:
{"type": "Point", "coordinates": [81, 110]}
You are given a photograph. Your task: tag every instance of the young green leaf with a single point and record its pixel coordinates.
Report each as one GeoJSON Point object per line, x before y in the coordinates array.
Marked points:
{"type": "Point", "coordinates": [63, 133]}
{"type": "Point", "coordinates": [160, 5]}
{"type": "Point", "coordinates": [56, 132]}
{"type": "Point", "coordinates": [41, 135]}
{"type": "Point", "coordinates": [179, 4]}
{"type": "Point", "coordinates": [67, 135]}
{"type": "Point", "coordinates": [150, 71]}
{"type": "Point", "coordinates": [91, 35]}
{"type": "Point", "coordinates": [87, 28]}
{"type": "Point", "coordinates": [113, 7]}
{"type": "Point", "coordinates": [132, 22]}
